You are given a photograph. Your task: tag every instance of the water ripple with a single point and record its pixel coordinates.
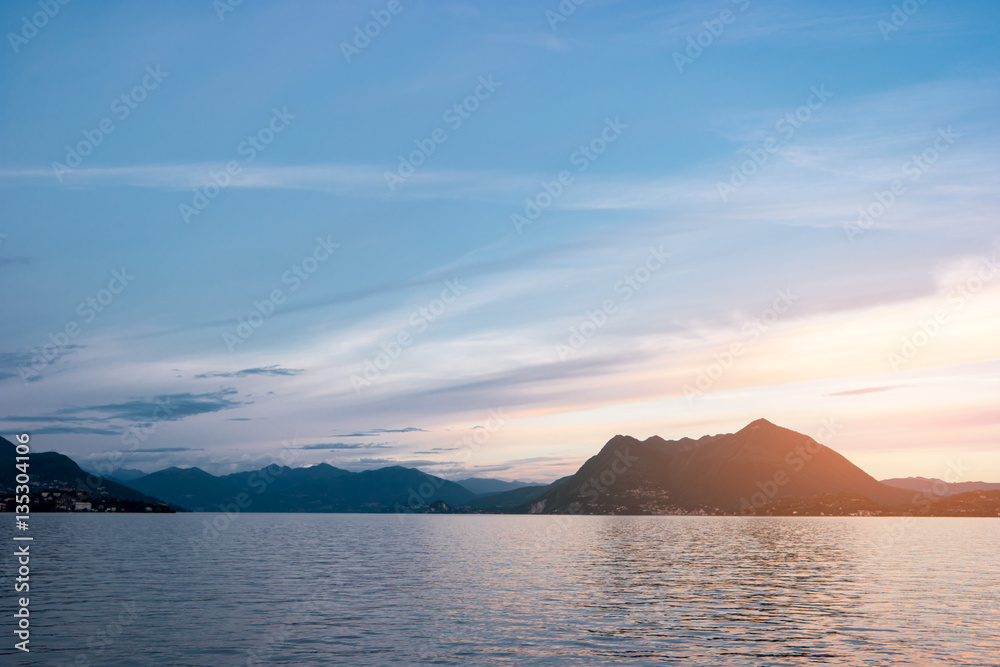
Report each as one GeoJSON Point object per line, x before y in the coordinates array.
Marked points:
{"type": "Point", "coordinates": [499, 590]}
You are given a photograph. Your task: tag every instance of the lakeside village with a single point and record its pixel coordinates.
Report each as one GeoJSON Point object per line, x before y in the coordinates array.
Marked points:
{"type": "Point", "coordinates": [68, 499]}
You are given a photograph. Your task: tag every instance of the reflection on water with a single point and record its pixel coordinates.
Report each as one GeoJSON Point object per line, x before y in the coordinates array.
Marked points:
{"type": "Point", "coordinates": [483, 590]}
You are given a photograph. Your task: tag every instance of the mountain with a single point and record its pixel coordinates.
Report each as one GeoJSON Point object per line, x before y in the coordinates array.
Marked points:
{"type": "Point", "coordinates": [53, 472]}
{"type": "Point", "coordinates": [939, 487]}
{"type": "Point", "coordinates": [970, 503]}
{"type": "Point", "coordinates": [123, 475]}
{"type": "Point", "coordinates": [126, 475]}
{"type": "Point", "coordinates": [715, 474]}
{"type": "Point", "coordinates": [190, 488]}
{"type": "Point", "coordinates": [318, 488]}
{"type": "Point", "coordinates": [761, 469]}
{"type": "Point", "coordinates": [481, 486]}
{"type": "Point", "coordinates": [509, 501]}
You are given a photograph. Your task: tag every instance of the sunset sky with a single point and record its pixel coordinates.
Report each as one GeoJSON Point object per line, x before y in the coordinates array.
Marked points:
{"type": "Point", "coordinates": [633, 218]}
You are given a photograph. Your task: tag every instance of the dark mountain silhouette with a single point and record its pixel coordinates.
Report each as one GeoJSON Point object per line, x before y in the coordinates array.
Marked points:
{"type": "Point", "coordinates": [319, 488]}
{"type": "Point", "coordinates": [761, 469]}
{"type": "Point", "coordinates": [482, 486]}
{"type": "Point", "coordinates": [939, 487]}
{"type": "Point", "coordinates": [126, 475]}
{"type": "Point", "coordinates": [508, 501]}
{"type": "Point", "coordinates": [828, 504]}
{"type": "Point", "coordinates": [53, 471]}
{"type": "Point", "coordinates": [750, 468]}
{"type": "Point", "coordinates": [970, 503]}
{"type": "Point", "coordinates": [190, 488]}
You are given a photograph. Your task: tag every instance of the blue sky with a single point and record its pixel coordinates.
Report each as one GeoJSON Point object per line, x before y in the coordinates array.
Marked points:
{"type": "Point", "coordinates": [599, 209]}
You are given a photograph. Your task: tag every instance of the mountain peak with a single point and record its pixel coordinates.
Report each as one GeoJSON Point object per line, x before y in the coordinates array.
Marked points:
{"type": "Point", "coordinates": [759, 423]}
{"type": "Point", "coordinates": [736, 472]}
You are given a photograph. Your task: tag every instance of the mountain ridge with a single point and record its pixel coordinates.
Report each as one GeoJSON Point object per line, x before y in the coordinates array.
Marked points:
{"type": "Point", "coordinates": [318, 488]}
{"type": "Point", "coordinates": [758, 464]}
{"type": "Point", "coordinates": [52, 472]}
{"type": "Point", "coordinates": [760, 469]}
{"type": "Point", "coordinates": [939, 487]}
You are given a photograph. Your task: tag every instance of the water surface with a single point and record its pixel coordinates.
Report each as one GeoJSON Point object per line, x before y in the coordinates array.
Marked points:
{"type": "Point", "coordinates": [306, 589]}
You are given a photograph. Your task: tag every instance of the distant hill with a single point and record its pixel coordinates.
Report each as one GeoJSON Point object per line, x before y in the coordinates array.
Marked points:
{"type": "Point", "coordinates": [762, 469]}
{"type": "Point", "coordinates": [939, 487]}
{"type": "Point", "coordinates": [481, 486]}
{"type": "Point", "coordinates": [319, 488]}
{"type": "Point", "coordinates": [52, 471]}
{"type": "Point", "coordinates": [123, 475]}
{"type": "Point", "coordinates": [715, 474]}
{"type": "Point", "coordinates": [509, 501]}
{"type": "Point", "coordinates": [126, 475]}
{"type": "Point", "coordinates": [970, 503]}
{"type": "Point", "coordinates": [190, 488]}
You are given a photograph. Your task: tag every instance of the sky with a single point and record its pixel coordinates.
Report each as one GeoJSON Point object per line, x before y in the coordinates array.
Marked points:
{"type": "Point", "coordinates": [481, 239]}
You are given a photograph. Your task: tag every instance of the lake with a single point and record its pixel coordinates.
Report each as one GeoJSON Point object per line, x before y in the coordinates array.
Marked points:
{"type": "Point", "coordinates": [363, 589]}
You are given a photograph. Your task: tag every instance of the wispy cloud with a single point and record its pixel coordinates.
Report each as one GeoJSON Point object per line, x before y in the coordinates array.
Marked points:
{"type": "Point", "coordinates": [407, 463]}
{"type": "Point", "coordinates": [11, 363]}
{"type": "Point", "coordinates": [327, 177]}
{"type": "Point", "coordinates": [356, 180]}
{"type": "Point", "coordinates": [344, 445]}
{"type": "Point", "coordinates": [265, 370]}
{"type": "Point", "coordinates": [71, 430]}
{"type": "Point", "coordinates": [533, 462]}
{"type": "Point", "coordinates": [172, 407]}
{"type": "Point", "coordinates": [788, 23]}
{"type": "Point", "coordinates": [380, 431]}
{"type": "Point", "coordinates": [868, 390]}
{"type": "Point", "coordinates": [834, 161]}
{"type": "Point", "coordinates": [45, 419]}
{"type": "Point", "coordinates": [166, 407]}
{"type": "Point", "coordinates": [165, 450]}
